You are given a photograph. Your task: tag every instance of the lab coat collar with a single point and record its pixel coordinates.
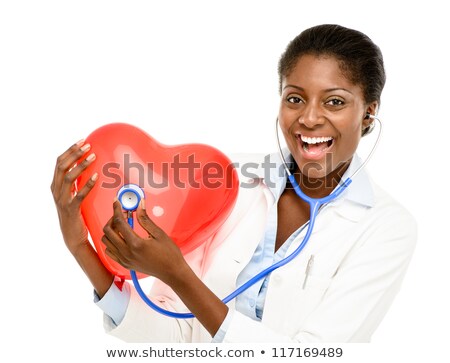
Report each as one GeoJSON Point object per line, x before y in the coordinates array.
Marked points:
{"type": "Point", "coordinates": [350, 204]}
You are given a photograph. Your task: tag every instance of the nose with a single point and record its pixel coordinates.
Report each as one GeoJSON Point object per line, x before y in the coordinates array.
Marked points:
{"type": "Point", "coordinates": [311, 116]}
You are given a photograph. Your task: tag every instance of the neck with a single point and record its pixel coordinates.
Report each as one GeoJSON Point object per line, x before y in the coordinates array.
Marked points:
{"type": "Point", "coordinates": [320, 187]}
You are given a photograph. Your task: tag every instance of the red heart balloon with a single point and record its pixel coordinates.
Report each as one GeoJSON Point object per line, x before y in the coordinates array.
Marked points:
{"type": "Point", "coordinates": [190, 189]}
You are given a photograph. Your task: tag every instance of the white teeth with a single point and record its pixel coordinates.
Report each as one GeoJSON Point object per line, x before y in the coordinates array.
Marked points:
{"type": "Point", "coordinates": [315, 140]}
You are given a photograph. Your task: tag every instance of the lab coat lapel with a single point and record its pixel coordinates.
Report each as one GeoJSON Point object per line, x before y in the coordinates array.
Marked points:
{"type": "Point", "coordinates": [255, 232]}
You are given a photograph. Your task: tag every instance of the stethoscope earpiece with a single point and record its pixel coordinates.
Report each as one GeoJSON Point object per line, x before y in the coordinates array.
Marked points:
{"type": "Point", "coordinates": [370, 116]}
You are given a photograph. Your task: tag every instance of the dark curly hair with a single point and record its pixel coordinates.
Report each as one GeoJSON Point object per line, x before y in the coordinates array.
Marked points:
{"type": "Point", "coordinates": [359, 58]}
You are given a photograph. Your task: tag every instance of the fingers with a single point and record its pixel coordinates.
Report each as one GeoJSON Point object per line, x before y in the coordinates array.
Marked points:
{"type": "Point", "coordinates": [65, 162]}
{"type": "Point", "coordinates": [60, 168]}
{"type": "Point", "coordinates": [110, 246]}
{"type": "Point", "coordinates": [119, 237]}
{"type": "Point", "coordinates": [69, 151]}
{"type": "Point", "coordinates": [120, 224]}
{"type": "Point", "coordinates": [113, 241]}
{"type": "Point", "coordinates": [73, 174]}
{"type": "Point", "coordinates": [116, 247]}
{"type": "Point", "coordinates": [81, 194]}
{"type": "Point", "coordinates": [145, 221]}
{"type": "Point", "coordinates": [114, 256]}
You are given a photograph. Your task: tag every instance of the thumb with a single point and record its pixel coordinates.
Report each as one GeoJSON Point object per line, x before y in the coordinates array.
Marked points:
{"type": "Point", "coordinates": [145, 221]}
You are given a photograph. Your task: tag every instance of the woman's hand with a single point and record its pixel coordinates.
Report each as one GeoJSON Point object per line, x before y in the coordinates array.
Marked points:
{"type": "Point", "coordinates": [67, 200]}
{"type": "Point", "coordinates": [156, 255]}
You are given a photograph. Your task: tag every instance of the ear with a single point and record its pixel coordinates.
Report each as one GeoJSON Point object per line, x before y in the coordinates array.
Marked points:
{"type": "Point", "coordinates": [372, 109]}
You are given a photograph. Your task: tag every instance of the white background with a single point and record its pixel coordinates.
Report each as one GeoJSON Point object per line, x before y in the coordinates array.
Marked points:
{"type": "Point", "coordinates": [201, 71]}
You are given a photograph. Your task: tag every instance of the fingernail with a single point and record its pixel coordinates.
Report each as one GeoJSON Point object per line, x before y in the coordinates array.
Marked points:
{"type": "Point", "coordinates": [91, 157]}
{"type": "Point", "coordinates": [115, 199]}
{"type": "Point", "coordinates": [85, 147]}
{"type": "Point", "coordinates": [94, 177]}
{"type": "Point", "coordinates": [142, 203]}
{"type": "Point", "coordinates": [79, 143]}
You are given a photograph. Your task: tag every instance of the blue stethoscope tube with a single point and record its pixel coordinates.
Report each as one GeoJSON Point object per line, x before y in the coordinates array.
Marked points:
{"type": "Point", "coordinates": [314, 205]}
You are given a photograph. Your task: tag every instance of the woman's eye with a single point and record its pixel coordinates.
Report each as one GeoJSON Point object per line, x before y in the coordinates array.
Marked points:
{"type": "Point", "coordinates": [294, 99]}
{"type": "Point", "coordinates": [335, 102]}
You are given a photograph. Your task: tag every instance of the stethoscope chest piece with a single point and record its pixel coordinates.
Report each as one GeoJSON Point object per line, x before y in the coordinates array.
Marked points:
{"type": "Point", "coordinates": [130, 196]}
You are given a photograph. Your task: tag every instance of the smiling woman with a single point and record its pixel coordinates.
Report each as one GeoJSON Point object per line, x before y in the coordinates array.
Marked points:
{"type": "Point", "coordinates": [321, 109]}
{"type": "Point", "coordinates": [322, 112]}
{"type": "Point", "coordinates": [341, 285]}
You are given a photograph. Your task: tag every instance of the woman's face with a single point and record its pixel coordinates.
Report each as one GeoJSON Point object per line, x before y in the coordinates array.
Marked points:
{"type": "Point", "coordinates": [321, 115]}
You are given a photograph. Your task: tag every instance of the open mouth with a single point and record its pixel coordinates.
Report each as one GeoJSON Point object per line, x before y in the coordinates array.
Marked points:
{"type": "Point", "coordinates": [315, 146]}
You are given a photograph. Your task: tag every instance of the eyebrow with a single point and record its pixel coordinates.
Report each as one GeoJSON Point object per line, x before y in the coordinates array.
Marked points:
{"type": "Point", "coordinates": [292, 86]}
{"type": "Point", "coordinates": [327, 90]}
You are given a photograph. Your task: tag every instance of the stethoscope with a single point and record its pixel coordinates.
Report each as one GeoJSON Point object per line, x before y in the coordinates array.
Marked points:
{"type": "Point", "coordinates": [130, 195]}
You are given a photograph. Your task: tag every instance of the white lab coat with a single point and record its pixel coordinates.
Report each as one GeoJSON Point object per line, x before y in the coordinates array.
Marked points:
{"type": "Point", "coordinates": [360, 257]}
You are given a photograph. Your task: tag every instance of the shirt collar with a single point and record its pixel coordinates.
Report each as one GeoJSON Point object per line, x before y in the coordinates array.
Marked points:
{"type": "Point", "coordinates": [274, 176]}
